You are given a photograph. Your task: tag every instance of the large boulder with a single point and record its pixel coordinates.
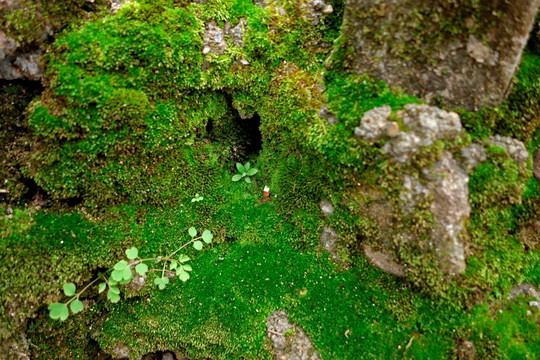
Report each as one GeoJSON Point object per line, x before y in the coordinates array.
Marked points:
{"type": "Point", "coordinates": [465, 52]}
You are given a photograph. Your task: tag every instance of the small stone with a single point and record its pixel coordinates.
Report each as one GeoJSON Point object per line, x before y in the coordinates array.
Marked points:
{"type": "Point", "coordinates": [328, 240]}
{"type": "Point", "coordinates": [244, 62]}
{"type": "Point", "coordinates": [218, 37]}
{"type": "Point", "coordinates": [206, 50]}
{"type": "Point", "coordinates": [373, 123]}
{"type": "Point", "coordinates": [534, 303]}
{"type": "Point", "coordinates": [384, 261]}
{"type": "Point", "coordinates": [167, 355]}
{"type": "Point", "coordinates": [513, 147]}
{"type": "Point", "coordinates": [472, 156]}
{"type": "Point", "coordinates": [326, 207]}
{"type": "Point", "coordinates": [392, 129]}
{"type": "Point", "coordinates": [325, 113]}
{"type": "Point", "coordinates": [121, 350]}
{"type": "Point", "coordinates": [290, 342]}
{"type": "Point", "coordinates": [328, 9]}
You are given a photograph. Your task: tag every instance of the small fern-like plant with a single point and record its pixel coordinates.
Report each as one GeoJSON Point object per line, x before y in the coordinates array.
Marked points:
{"type": "Point", "coordinates": [174, 264]}
{"type": "Point", "coordinates": [245, 171]}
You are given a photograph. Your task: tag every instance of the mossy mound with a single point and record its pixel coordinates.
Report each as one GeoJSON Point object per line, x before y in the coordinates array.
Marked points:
{"type": "Point", "coordinates": [136, 119]}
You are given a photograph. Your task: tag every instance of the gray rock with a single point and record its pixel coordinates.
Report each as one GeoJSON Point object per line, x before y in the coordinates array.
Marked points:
{"type": "Point", "coordinates": [328, 240]}
{"type": "Point", "coordinates": [238, 33]}
{"type": "Point", "coordinates": [314, 10]}
{"type": "Point", "coordinates": [525, 289]}
{"type": "Point", "coordinates": [513, 147]}
{"type": "Point", "coordinates": [536, 165]}
{"type": "Point", "coordinates": [426, 124]}
{"type": "Point", "coordinates": [325, 113]}
{"type": "Point", "coordinates": [120, 350]}
{"type": "Point", "coordinates": [213, 41]}
{"type": "Point", "coordinates": [326, 207]}
{"type": "Point", "coordinates": [383, 260]}
{"type": "Point", "coordinates": [449, 187]}
{"type": "Point", "coordinates": [471, 69]}
{"type": "Point", "coordinates": [373, 124]}
{"type": "Point", "coordinates": [472, 156]}
{"type": "Point", "coordinates": [117, 4]}
{"type": "Point", "coordinates": [167, 355]}
{"type": "Point", "coordinates": [290, 342]}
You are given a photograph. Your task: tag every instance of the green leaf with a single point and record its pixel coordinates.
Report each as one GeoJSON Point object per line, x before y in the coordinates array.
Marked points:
{"type": "Point", "coordinates": [161, 286]}
{"type": "Point", "coordinates": [183, 258]}
{"type": "Point", "coordinates": [184, 276]}
{"type": "Point", "coordinates": [240, 168]}
{"type": "Point", "coordinates": [198, 245]}
{"type": "Point", "coordinates": [157, 281]}
{"type": "Point", "coordinates": [112, 296]}
{"type": "Point", "coordinates": [101, 287]}
{"type": "Point", "coordinates": [112, 282]}
{"type": "Point", "coordinates": [247, 166]}
{"type": "Point", "coordinates": [207, 236]}
{"type": "Point", "coordinates": [252, 172]}
{"type": "Point", "coordinates": [127, 274]}
{"type": "Point", "coordinates": [117, 275]}
{"type": "Point", "coordinates": [187, 267]}
{"type": "Point", "coordinates": [248, 180]}
{"type": "Point", "coordinates": [132, 253]}
{"type": "Point", "coordinates": [69, 289]}
{"type": "Point", "coordinates": [192, 232]}
{"type": "Point", "coordinates": [121, 265]}
{"type": "Point", "coordinates": [174, 265]}
{"type": "Point", "coordinates": [58, 311]}
{"type": "Point", "coordinates": [141, 269]}
{"type": "Point", "coordinates": [236, 177]}
{"type": "Point", "coordinates": [76, 306]}
{"type": "Point", "coordinates": [165, 280]}
{"type": "Point", "coordinates": [115, 290]}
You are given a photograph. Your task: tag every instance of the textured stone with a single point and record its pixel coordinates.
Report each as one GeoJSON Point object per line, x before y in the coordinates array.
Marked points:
{"type": "Point", "coordinates": [237, 33]}
{"type": "Point", "coordinates": [314, 10]}
{"type": "Point", "coordinates": [383, 260]}
{"type": "Point", "coordinates": [325, 113]}
{"type": "Point", "coordinates": [328, 240]}
{"type": "Point", "coordinates": [373, 124]}
{"type": "Point", "coordinates": [449, 187]}
{"type": "Point", "coordinates": [326, 207]}
{"type": "Point", "coordinates": [290, 342]}
{"type": "Point", "coordinates": [472, 156]}
{"type": "Point", "coordinates": [214, 41]}
{"type": "Point", "coordinates": [469, 64]}
{"type": "Point", "coordinates": [513, 147]}
{"type": "Point", "coordinates": [426, 125]}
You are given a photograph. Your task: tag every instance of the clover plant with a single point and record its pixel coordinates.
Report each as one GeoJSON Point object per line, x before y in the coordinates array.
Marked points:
{"type": "Point", "coordinates": [174, 264]}
{"type": "Point", "coordinates": [245, 171]}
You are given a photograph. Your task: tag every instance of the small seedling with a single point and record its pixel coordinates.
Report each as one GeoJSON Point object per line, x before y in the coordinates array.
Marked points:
{"type": "Point", "coordinates": [122, 273]}
{"type": "Point", "coordinates": [197, 198]}
{"type": "Point", "coordinates": [245, 171]}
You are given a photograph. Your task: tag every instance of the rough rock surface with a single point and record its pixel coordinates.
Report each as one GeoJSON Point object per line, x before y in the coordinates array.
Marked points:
{"type": "Point", "coordinates": [426, 124]}
{"type": "Point", "coordinates": [411, 44]}
{"type": "Point", "coordinates": [449, 187]}
{"type": "Point", "coordinates": [290, 342]}
{"type": "Point", "coordinates": [329, 239]}
{"type": "Point", "coordinates": [326, 207]}
{"type": "Point", "coordinates": [325, 113]}
{"type": "Point", "coordinates": [472, 156]}
{"type": "Point", "coordinates": [441, 188]}
{"type": "Point", "coordinates": [374, 123]}
{"type": "Point", "coordinates": [383, 260]}
{"type": "Point", "coordinates": [15, 64]}
{"type": "Point", "coordinates": [525, 289]}
{"type": "Point", "coordinates": [315, 10]}
{"type": "Point", "coordinates": [513, 147]}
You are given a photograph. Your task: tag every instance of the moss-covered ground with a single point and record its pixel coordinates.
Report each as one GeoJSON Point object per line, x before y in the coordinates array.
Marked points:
{"type": "Point", "coordinates": [129, 128]}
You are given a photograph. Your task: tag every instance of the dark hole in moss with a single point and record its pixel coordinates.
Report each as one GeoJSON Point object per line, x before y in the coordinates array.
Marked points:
{"type": "Point", "coordinates": [159, 355]}
{"type": "Point", "coordinates": [250, 129]}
